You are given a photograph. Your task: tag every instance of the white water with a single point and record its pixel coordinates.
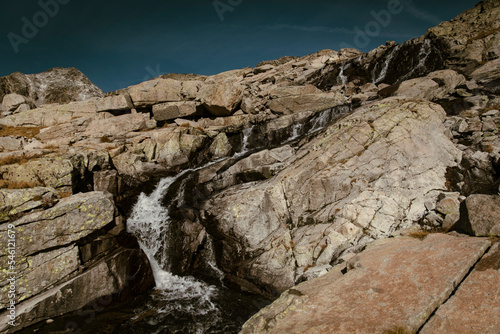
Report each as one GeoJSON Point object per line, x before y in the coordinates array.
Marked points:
{"type": "Point", "coordinates": [211, 261]}
{"type": "Point", "coordinates": [387, 63]}
{"type": "Point", "coordinates": [246, 136]}
{"type": "Point", "coordinates": [425, 51]}
{"type": "Point", "coordinates": [342, 76]}
{"type": "Point", "coordinates": [149, 222]}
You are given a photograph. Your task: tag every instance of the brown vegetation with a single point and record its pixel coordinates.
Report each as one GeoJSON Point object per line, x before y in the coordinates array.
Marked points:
{"type": "Point", "coordinates": [423, 234]}
{"type": "Point", "coordinates": [11, 159]}
{"type": "Point", "coordinates": [28, 132]}
{"type": "Point", "coordinates": [397, 330]}
{"type": "Point", "coordinates": [483, 34]}
{"type": "Point", "coordinates": [5, 184]}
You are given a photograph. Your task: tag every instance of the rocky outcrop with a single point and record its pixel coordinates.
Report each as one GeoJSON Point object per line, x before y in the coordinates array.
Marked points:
{"type": "Point", "coordinates": [58, 85]}
{"type": "Point", "coordinates": [68, 253]}
{"type": "Point", "coordinates": [283, 173]}
{"type": "Point", "coordinates": [339, 190]}
{"type": "Point", "coordinates": [395, 284]}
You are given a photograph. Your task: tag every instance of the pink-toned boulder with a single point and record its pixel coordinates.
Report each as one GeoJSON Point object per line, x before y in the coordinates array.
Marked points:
{"type": "Point", "coordinates": [475, 306]}
{"type": "Point", "coordinates": [393, 283]}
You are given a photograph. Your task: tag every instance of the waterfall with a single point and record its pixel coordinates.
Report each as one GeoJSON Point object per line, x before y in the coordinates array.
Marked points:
{"type": "Point", "coordinates": [211, 261]}
{"type": "Point", "coordinates": [387, 63]}
{"type": "Point", "coordinates": [149, 222]}
{"type": "Point", "coordinates": [186, 297]}
{"type": "Point", "coordinates": [342, 76]}
{"type": "Point", "coordinates": [324, 118]}
{"type": "Point", "coordinates": [424, 53]}
{"type": "Point", "coordinates": [246, 133]}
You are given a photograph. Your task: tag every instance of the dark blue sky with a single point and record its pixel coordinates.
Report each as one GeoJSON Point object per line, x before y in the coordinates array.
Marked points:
{"type": "Point", "coordinates": [120, 43]}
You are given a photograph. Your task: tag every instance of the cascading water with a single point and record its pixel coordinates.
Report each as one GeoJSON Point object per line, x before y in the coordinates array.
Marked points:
{"type": "Point", "coordinates": [187, 304]}
{"type": "Point", "coordinates": [423, 55]}
{"type": "Point", "coordinates": [342, 76]}
{"type": "Point", "coordinates": [383, 72]}
{"type": "Point", "coordinates": [150, 222]}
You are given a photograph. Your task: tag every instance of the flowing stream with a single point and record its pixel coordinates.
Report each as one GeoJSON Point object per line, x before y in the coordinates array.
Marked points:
{"type": "Point", "coordinates": [187, 304]}
{"type": "Point", "coordinates": [150, 222]}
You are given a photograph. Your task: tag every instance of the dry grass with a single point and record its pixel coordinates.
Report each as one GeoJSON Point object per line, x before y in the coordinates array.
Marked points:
{"type": "Point", "coordinates": [483, 34]}
{"type": "Point", "coordinates": [65, 194]}
{"type": "Point", "coordinates": [11, 160]}
{"type": "Point", "coordinates": [397, 330]}
{"type": "Point", "coordinates": [50, 147]}
{"type": "Point", "coordinates": [19, 131]}
{"type": "Point", "coordinates": [38, 198]}
{"type": "Point", "coordinates": [423, 234]}
{"type": "Point", "coordinates": [494, 238]}
{"type": "Point", "coordinates": [4, 184]}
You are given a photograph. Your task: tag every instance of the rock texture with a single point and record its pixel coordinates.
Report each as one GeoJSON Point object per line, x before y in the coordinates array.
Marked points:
{"type": "Point", "coordinates": [58, 85]}
{"type": "Point", "coordinates": [393, 283]}
{"type": "Point", "coordinates": [474, 307]}
{"type": "Point", "coordinates": [341, 189]}
{"type": "Point", "coordinates": [285, 172]}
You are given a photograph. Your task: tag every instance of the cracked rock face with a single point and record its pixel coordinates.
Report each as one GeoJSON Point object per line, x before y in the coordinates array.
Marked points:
{"type": "Point", "coordinates": [474, 307]}
{"type": "Point", "coordinates": [57, 85]}
{"type": "Point", "coordinates": [365, 176]}
{"type": "Point", "coordinates": [393, 283]}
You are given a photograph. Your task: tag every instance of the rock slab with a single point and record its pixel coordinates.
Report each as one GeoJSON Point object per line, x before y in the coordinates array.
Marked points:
{"type": "Point", "coordinates": [393, 283]}
{"type": "Point", "coordinates": [475, 307]}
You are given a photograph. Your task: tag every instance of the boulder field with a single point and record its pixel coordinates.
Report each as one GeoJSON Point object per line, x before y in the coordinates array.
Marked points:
{"type": "Point", "coordinates": [359, 190]}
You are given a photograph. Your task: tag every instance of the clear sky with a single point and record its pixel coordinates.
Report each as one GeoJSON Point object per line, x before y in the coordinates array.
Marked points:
{"type": "Point", "coordinates": [120, 43]}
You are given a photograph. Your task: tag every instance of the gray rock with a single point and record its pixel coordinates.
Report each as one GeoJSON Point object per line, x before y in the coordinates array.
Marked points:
{"type": "Point", "coordinates": [480, 216]}
{"type": "Point", "coordinates": [308, 102]}
{"type": "Point", "coordinates": [121, 275]}
{"type": "Point", "coordinates": [121, 102]}
{"type": "Point", "coordinates": [221, 98]}
{"type": "Point", "coordinates": [368, 174]}
{"type": "Point", "coordinates": [172, 110]}
{"type": "Point", "coordinates": [155, 91]}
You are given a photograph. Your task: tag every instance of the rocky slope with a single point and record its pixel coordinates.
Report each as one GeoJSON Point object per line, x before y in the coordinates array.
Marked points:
{"type": "Point", "coordinates": [286, 171]}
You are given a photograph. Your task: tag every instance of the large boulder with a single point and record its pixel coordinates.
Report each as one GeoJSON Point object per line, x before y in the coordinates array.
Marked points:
{"type": "Point", "coordinates": [120, 102]}
{"type": "Point", "coordinates": [112, 280]}
{"type": "Point", "coordinates": [308, 102]}
{"type": "Point", "coordinates": [55, 172]}
{"type": "Point", "coordinates": [171, 110]}
{"type": "Point", "coordinates": [16, 201]}
{"type": "Point", "coordinates": [14, 103]}
{"type": "Point", "coordinates": [52, 114]}
{"type": "Point", "coordinates": [155, 91]}
{"type": "Point", "coordinates": [488, 75]}
{"type": "Point", "coordinates": [394, 283]}
{"type": "Point", "coordinates": [117, 125]}
{"type": "Point", "coordinates": [221, 98]}
{"type": "Point", "coordinates": [480, 216]}
{"type": "Point", "coordinates": [366, 176]}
